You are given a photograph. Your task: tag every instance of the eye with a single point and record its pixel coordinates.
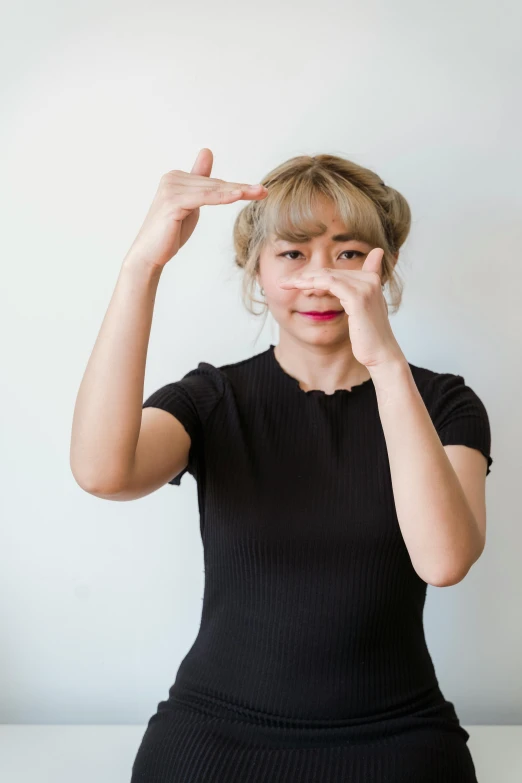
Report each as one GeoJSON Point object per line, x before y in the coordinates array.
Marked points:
{"type": "Point", "coordinates": [288, 252]}
{"type": "Point", "coordinates": [357, 252]}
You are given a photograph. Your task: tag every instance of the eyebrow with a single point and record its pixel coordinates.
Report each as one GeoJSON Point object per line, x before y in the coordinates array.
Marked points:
{"type": "Point", "coordinates": [347, 237]}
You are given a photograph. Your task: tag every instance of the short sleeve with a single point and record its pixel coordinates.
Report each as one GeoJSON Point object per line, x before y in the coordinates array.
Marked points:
{"type": "Point", "coordinates": [191, 400]}
{"type": "Point", "coordinates": [459, 415]}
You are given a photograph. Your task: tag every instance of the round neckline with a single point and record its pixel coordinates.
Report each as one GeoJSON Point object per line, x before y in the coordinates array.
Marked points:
{"type": "Point", "coordinates": [315, 392]}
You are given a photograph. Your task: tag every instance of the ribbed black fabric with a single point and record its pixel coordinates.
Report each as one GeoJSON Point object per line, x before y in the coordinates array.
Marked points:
{"type": "Point", "coordinates": [310, 663]}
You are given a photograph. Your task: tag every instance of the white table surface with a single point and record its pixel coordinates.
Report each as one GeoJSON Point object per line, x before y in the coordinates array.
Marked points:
{"type": "Point", "coordinates": [104, 754]}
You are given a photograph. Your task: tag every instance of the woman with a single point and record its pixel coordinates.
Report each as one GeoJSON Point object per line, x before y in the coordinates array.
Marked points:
{"type": "Point", "coordinates": [335, 482]}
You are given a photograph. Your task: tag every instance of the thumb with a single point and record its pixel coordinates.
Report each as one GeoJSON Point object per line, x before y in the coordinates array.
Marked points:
{"type": "Point", "coordinates": [373, 261]}
{"type": "Point", "coordinates": [203, 163]}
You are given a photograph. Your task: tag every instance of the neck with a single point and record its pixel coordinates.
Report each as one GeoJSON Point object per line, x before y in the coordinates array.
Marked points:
{"type": "Point", "coordinates": [327, 367]}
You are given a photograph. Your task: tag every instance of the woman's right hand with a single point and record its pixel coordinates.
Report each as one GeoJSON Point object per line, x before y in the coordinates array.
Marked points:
{"type": "Point", "coordinates": [174, 212]}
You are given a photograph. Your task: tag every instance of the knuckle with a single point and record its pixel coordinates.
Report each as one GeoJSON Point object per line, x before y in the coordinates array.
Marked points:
{"type": "Point", "coordinates": [169, 176]}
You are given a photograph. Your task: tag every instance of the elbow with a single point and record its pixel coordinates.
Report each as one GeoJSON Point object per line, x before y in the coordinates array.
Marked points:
{"type": "Point", "coordinates": [97, 488]}
{"type": "Point", "coordinates": [450, 577]}
{"type": "Point", "coordinates": [449, 574]}
{"type": "Point", "coordinates": [448, 580]}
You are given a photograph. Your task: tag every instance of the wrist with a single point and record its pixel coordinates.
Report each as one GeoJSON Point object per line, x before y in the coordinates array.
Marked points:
{"type": "Point", "coordinates": [395, 366]}
{"type": "Point", "coordinates": [392, 374]}
{"type": "Point", "coordinates": [137, 266]}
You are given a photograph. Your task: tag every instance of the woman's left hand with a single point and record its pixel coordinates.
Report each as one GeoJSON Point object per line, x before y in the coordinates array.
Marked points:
{"type": "Point", "coordinates": [360, 293]}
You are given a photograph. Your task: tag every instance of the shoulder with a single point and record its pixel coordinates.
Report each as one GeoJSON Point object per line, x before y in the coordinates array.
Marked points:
{"type": "Point", "coordinates": [445, 390]}
{"type": "Point", "coordinates": [243, 367]}
{"type": "Point", "coordinates": [458, 413]}
{"type": "Point", "coordinates": [244, 375]}
{"type": "Point", "coordinates": [205, 385]}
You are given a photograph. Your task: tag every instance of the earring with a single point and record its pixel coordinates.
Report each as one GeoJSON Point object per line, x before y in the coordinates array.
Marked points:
{"type": "Point", "coordinates": [262, 291]}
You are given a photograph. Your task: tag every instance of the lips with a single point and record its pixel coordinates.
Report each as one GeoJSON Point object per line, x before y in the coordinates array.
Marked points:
{"type": "Point", "coordinates": [319, 312]}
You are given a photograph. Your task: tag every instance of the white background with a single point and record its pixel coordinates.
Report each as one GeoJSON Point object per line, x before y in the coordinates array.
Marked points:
{"type": "Point", "coordinates": [99, 600]}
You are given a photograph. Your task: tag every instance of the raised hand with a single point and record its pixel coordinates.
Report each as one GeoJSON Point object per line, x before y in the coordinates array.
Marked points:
{"type": "Point", "coordinates": [174, 212]}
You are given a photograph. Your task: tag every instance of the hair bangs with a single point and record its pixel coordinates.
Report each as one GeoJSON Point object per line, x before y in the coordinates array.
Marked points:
{"type": "Point", "coordinates": [291, 215]}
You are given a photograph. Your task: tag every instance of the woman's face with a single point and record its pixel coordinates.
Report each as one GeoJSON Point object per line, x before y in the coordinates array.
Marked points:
{"type": "Point", "coordinates": [281, 258]}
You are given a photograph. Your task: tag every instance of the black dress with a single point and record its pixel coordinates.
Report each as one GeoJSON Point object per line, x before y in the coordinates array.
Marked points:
{"type": "Point", "coordinates": [310, 663]}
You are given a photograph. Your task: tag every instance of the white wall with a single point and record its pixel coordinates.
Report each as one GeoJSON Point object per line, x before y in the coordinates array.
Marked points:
{"type": "Point", "coordinates": [100, 601]}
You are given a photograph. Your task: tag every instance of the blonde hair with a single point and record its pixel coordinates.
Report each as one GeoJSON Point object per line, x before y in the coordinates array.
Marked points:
{"type": "Point", "coordinates": [370, 209]}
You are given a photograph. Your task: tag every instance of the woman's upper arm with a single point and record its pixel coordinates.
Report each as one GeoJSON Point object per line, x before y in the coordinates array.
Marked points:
{"type": "Point", "coordinates": [170, 441]}
{"type": "Point", "coordinates": [162, 452]}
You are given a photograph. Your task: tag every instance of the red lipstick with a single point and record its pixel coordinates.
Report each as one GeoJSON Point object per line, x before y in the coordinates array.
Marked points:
{"type": "Point", "coordinates": [324, 315]}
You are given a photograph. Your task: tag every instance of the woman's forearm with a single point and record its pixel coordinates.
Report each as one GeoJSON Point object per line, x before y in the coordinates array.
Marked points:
{"type": "Point", "coordinates": [107, 413]}
{"type": "Point", "coordinates": [436, 521]}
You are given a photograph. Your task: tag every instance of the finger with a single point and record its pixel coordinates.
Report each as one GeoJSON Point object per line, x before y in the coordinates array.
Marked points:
{"type": "Point", "coordinates": [203, 163]}
{"type": "Point", "coordinates": [189, 181]}
{"type": "Point", "coordinates": [246, 193]}
{"type": "Point", "coordinates": [193, 199]}
{"type": "Point", "coordinates": [341, 274]}
{"type": "Point", "coordinates": [306, 276]}
{"type": "Point", "coordinates": [373, 261]}
{"type": "Point", "coordinates": [336, 285]}
{"type": "Point", "coordinates": [303, 282]}
{"type": "Point", "coordinates": [249, 191]}
{"type": "Point", "coordinates": [252, 192]}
